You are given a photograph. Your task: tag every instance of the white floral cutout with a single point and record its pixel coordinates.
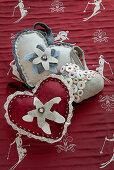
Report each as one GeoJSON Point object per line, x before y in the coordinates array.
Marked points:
{"type": "Point", "coordinates": [43, 59]}
{"type": "Point", "coordinates": [43, 112]}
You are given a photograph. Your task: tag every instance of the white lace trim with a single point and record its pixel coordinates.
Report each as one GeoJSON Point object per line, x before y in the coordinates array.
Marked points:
{"type": "Point", "coordinates": [23, 132]}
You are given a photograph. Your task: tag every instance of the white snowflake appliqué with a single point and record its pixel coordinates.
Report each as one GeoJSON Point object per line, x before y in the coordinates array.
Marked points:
{"type": "Point", "coordinates": [100, 36]}
{"type": "Point", "coordinates": [43, 112]}
{"type": "Point", "coordinates": [107, 102]}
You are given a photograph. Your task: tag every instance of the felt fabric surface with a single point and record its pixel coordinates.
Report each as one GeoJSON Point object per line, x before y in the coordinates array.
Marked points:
{"type": "Point", "coordinates": [20, 104]}
{"type": "Point", "coordinates": [93, 119]}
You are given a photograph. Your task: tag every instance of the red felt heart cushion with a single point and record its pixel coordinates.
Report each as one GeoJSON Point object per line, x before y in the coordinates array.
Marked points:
{"type": "Point", "coordinates": [20, 103]}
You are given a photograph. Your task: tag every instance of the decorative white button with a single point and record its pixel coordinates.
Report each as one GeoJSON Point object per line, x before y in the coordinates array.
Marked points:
{"type": "Point", "coordinates": [41, 110]}
{"type": "Point", "coordinates": [81, 85]}
{"type": "Point", "coordinates": [44, 57]}
{"type": "Point", "coordinates": [80, 92]}
{"type": "Point", "coordinates": [62, 69]}
{"type": "Point", "coordinates": [69, 68]}
{"type": "Point", "coordinates": [85, 72]}
{"type": "Point", "coordinates": [74, 87]}
{"type": "Point", "coordinates": [76, 98]}
{"type": "Point", "coordinates": [72, 74]}
{"type": "Point", "coordinates": [85, 80]}
{"type": "Point", "coordinates": [89, 77]}
{"type": "Point", "coordinates": [67, 64]}
{"type": "Point", "coordinates": [64, 75]}
{"type": "Point", "coordinates": [69, 81]}
{"type": "Point", "coordinates": [80, 74]}
{"type": "Point", "coordinates": [75, 80]}
{"type": "Point", "coordinates": [76, 67]}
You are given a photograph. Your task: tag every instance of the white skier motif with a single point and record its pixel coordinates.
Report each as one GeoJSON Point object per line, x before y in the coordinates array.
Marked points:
{"type": "Point", "coordinates": [103, 165]}
{"type": "Point", "coordinates": [66, 146]}
{"type": "Point", "coordinates": [61, 36]}
{"type": "Point", "coordinates": [97, 8]}
{"type": "Point", "coordinates": [22, 9]}
{"type": "Point", "coordinates": [100, 67]}
{"type": "Point", "coordinates": [57, 6]}
{"type": "Point", "coordinates": [21, 151]}
{"type": "Point", "coordinates": [107, 102]}
{"type": "Point", "coordinates": [100, 36]}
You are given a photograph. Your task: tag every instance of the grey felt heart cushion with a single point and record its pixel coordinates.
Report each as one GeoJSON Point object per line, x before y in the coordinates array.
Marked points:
{"type": "Point", "coordinates": [36, 56]}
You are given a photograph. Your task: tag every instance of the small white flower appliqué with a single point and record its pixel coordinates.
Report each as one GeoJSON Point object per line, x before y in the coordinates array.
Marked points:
{"type": "Point", "coordinates": [43, 112]}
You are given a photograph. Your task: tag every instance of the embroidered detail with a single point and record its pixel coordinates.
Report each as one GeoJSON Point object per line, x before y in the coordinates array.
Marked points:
{"type": "Point", "coordinates": [22, 9]}
{"type": "Point", "coordinates": [22, 152]}
{"type": "Point", "coordinates": [28, 132]}
{"type": "Point", "coordinates": [100, 67]}
{"type": "Point", "coordinates": [57, 6]}
{"type": "Point", "coordinates": [42, 112]}
{"type": "Point", "coordinates": [43, 59]}
{"type": "Point", "coordinates": [97, 8]}
{"type": "Point", "coordinates": [103, 165]}
{"type": "Point", "coordinates": [66, 146]}
{"type": "Point", "coordinates": [76, 78]}
{"type": "Point", "coordinates": [100, 36]}
{"type": "Point", "coordinates": [107, 102]}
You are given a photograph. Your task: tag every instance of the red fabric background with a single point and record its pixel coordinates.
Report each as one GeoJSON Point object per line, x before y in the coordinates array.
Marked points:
{"type": "Point", "coordinates": [91, 123]}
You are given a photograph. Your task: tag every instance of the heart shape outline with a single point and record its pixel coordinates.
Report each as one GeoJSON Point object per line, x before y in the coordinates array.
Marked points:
{"type": "Point", "coordinates": [29, 134]}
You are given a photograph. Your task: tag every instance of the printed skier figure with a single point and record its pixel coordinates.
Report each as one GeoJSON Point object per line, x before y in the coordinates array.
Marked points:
{"type": "Point", "coordinates": [61, 36]}
{"type": "Point", "coordinates": [22, 9]}
{"type": "Point", "coordinates": [100, 69]}
{"type": "Point", "coordinates": [96, 11]}
{"type": "Point", "coordinates": [103, 165]}
{"type": "Point", "coordinates": [21, 151]}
